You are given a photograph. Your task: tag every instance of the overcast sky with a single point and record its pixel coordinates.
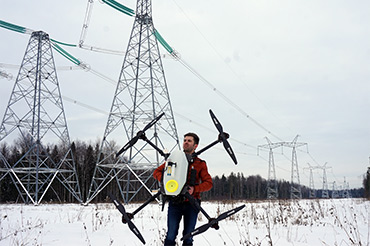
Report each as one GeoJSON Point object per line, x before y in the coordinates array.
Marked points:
{"type": "Point", "coordinates": [293, 67]}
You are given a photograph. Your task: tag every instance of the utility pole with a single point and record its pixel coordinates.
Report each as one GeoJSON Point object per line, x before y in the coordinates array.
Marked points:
{"type": "Point", "coordinates": [141, 95]}
{"type": "Point", "coordinates": [35, 111]}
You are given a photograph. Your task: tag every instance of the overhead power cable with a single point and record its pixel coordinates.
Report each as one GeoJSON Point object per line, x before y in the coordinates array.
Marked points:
{"type": "Point", "coordinates": [169, 49]}
{"type": "Point", "coordinates": [101, 50]}
{"type": "Point", "coordinates": [15, 28]}
{"type": "Point", "coordinates": [224, 61]}
{"type": "Point", "coordinates": [58, 42]}
{"type": "Point", "coordinates": [56, 45]}
{"type": "Point", "coordinates": [84, 66]}
{"type": "Point", "coordinates": [162, 41]}
{"type": "Point", "coordinates": [54, 42]}
{"type": "Point", "coordinates": [58, 48]}
{"type": "Point", "coordinates": [226, 99]}
{"type": "Point", "coordinates": [86, 23]}
{"type": "Point", "coordinates": [59, 68]}
{"type": "Point", "coordinates": [85, 105]}
{"type": "Point", "coordinates": [85, 26]}
{"type": "Point", "coordinates": [64, 53]}
{"type": "Point", "coordinates": [209, 84]}
{"type": "Point", "coordinates": [120, 7]}
{"type": "Point", "coordinates": [211, 130]}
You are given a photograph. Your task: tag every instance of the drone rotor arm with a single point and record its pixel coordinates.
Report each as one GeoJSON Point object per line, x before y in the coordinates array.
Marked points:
{"type": "Point", "coordinates": [139, 135]}
{"type": "Point", "coordinates": [127, 217]}
{"type": "Point", "coordinates": [213, 222]}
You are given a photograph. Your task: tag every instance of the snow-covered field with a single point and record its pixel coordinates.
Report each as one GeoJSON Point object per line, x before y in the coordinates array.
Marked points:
{"type": "Point", "coordinates": [298, 222]}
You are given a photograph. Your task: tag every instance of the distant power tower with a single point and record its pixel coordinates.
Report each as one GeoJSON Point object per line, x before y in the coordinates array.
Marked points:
{"type": "Point", "coordinates": [345, 192]}
{"type": "Point", "coordinates": [325, 188]}
{"type": "Point", "coordinates": [295, 189]}
{"type": "Point", "coordinates": [4, 74]}
{"type": "Point", "coordinates": [272, 187]}
{"type": "Point", "coordinates": [35, 111]}
{"type": "Point", "coordinates": [311, 186]}
{"type": "Point", "coordinates": [140, 96]}
{"type": "Point", "coordinates": [335, 193]}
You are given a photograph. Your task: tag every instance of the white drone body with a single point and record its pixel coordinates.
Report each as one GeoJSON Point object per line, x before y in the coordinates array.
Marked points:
{"type": "Point", "coordinates": [175, 173]}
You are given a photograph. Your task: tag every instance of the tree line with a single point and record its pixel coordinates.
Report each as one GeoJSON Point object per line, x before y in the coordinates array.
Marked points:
{"type": "Point", "coordinates": [234, 186]}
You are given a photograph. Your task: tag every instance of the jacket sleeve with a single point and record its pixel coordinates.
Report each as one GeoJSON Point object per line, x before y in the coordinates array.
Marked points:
{"type": "Point", "coordinates": [157, 174]}
{"type": "Point", "coordinates": [206, 182]}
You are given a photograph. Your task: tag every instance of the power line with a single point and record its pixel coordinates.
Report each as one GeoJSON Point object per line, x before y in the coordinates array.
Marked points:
{"type": "Point", "coordinates": [185, 64]}
{"type": "Point", "coordinates": [86, 24]}
{"type": "Point", "coordinates": [167, 47]}
{"type": "Point", "coordinates": [227, 65]}
{"type": "Point", "coordinates": [226, 99]}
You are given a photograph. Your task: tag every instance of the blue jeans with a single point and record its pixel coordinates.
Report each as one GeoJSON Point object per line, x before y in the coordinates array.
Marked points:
{"type": "Point", "coordinates": [175, 212]}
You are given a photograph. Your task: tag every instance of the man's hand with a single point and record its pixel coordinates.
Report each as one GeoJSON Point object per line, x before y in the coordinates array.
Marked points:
{"type": "Point", "coordinates": [191, 190]}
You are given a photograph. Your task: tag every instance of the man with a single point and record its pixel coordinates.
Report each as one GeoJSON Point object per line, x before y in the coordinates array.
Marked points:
{"type": "Point", "coordinates": [178, 208]}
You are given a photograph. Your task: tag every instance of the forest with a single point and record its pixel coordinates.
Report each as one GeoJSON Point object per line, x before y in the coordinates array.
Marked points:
{"type": "Point", "coordinates": [234, 186]}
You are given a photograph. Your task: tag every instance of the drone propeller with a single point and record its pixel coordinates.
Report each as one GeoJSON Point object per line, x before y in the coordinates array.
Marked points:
{"type": "Point", "coordinates": [213, 223]}
{"type": "Point", "coordinates": [126, 218]}
{"type": "Point", "coordinates": [223, 136]}
{"type": "Point", "coordinates": [139, 135]}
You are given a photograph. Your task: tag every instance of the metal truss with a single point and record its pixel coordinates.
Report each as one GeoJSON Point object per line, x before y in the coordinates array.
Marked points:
{"type": "Point", "coordinates": [140, 96]}
{"type": "Point", "coordinates": [35, 116]}
{"type": "Point", "coordinates": [272, 186]}
{"type": "Point", "coordinates": [295, 188]}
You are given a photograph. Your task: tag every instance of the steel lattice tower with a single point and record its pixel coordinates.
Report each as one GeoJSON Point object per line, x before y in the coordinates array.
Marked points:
{"type": "Point", "coordinates": [35, 111]}
{"type": "Point", "coordinates": [272, 186]}
{"type": "Point", "coordinates": [295, 188]}
{"type": "Point", "coordinates": [325, 188]}
{"type": "Point", "coordinates": [140, 96]}
{"type": "Point", "coordinates": [335, 193]}
{"type": "Point", "coordinates": [311, 186]}
{"type": "Point", "coordinates": [345, 191]}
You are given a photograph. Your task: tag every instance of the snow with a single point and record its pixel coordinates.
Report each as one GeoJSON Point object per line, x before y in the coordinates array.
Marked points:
{"type": "Point", "coordinates": [290, 222]}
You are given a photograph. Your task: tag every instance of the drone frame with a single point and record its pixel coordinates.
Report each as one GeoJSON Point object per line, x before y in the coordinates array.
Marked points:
{"type": "Point", "coordinates": [212, 222]}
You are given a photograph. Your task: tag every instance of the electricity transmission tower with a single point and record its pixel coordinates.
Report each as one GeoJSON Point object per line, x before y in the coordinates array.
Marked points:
{"type": "Point", "coordinates": [312, 193]}
{"type": "Point", "coordinates": [35, 111]}
{"type": "Point", "coordinates": [140, 96]}
{"type": "Point", "coordinates": [295, 189]}
{"type": "Point", "coordinates": [335, 193]}
{"type": "Point", "coordinates": [325, 188]}
{"type": "Point", "coordinates": [345, 192]}
{"type": "Point", "coordinates": [4, 74]}
{"type": "Point", "coordinates": [272, 187]}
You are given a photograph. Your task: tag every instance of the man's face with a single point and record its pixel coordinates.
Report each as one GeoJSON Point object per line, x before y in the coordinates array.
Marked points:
{"type": "Point", "coordinates": [189, 145]}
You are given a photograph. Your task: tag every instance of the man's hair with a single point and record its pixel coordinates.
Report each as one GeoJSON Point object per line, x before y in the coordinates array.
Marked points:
{"type": "Point", "coordinates": [195, 136]}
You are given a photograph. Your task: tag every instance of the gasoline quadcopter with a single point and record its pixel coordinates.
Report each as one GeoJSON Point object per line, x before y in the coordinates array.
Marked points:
{"type": "Point", "coordinates": [175, 180]}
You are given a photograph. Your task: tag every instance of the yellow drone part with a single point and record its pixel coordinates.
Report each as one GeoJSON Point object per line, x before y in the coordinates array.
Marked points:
{"type": "Point", "coordinates": [172, 185]}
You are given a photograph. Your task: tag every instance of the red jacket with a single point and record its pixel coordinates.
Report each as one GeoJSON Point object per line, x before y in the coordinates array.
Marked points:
{"type": "Point", "coordinates": [203, 180]}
